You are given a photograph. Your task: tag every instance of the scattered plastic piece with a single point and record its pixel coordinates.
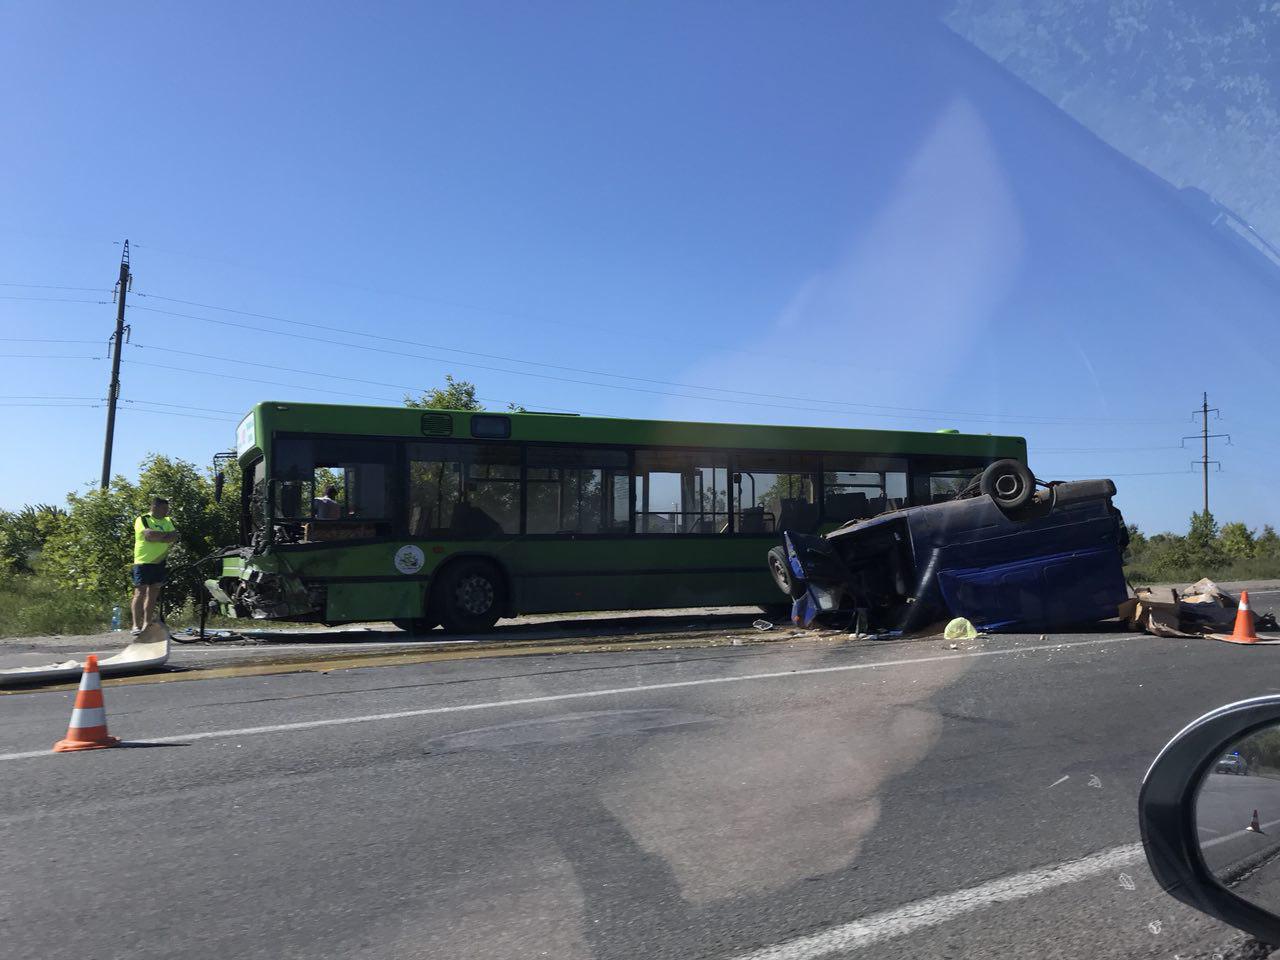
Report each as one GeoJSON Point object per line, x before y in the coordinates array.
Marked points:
{"type": "Point", "coordinates": [960, 629]}
{"type": "Point", "coordinates": [762, 625]}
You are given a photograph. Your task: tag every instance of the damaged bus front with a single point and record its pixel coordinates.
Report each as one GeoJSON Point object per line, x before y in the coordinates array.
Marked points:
{"type": "Point", "coordinates": [258, 579]}
{"type": "Point", "coordinates": [316, 517]}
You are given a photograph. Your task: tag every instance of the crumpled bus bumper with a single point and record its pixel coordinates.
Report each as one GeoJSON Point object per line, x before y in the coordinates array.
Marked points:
{"type": "Point", "coordinates": [246, 590]}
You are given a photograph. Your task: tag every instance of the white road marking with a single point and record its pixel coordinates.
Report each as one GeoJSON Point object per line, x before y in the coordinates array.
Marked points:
{"type": "Point", "coordinates": [1237, 833]}
{"type": "Point", "coordinates": [589, 694]}
{"type": "Point", "coordinates": [931, 912]}
{"type": "Point", "coordinates": [1056, 782]}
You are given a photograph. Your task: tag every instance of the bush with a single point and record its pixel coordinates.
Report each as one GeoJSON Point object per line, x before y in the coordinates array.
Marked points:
{"type": "Point", "coordinates": [91, 550]}
{"type": "Point", "coordinates": [23, 535]}
{"type": "Point", "coordinates": [1229, 553]}
{"type": "Point", "coordinates": [32, 604]}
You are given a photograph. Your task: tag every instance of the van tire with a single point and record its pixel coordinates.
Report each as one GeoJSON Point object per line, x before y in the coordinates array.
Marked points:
{"type": "Point", "coordinates": [1009, 483]}
{"type": "Point", "coordinates": [780, 570]}
{"type": "Point", "coordinates": [469, 596]}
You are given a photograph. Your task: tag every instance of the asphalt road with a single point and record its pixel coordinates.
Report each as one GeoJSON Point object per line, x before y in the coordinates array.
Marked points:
{"type": "Point", "coordinates": [1224, 809]}
{"type": "Point", "coordinates": [819, 799]}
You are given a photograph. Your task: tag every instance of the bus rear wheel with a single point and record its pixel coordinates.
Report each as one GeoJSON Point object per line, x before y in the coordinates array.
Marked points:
{"type": "Point", "coordinates": [469, 596]}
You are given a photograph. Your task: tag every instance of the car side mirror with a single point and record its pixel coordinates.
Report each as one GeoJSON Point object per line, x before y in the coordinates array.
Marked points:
{"type": "Point", "coordinates": [1209, 810]}
{"type": "Point", "coordinates": [219, 481]}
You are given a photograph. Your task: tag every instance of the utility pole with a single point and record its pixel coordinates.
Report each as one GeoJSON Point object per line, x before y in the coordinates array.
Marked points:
{"type": "Point", "coordinates": [113, 391]}
{"type": "Point", "coordinates": [1205, 436]}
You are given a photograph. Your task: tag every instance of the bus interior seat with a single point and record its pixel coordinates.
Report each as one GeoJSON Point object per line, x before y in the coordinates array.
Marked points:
{"type": "Point", "coordinates": [751, 520]}
{"type": "Point", "coordinates": [471, 521]}
{"type": "Point", "coordinates": [846, 506]}
{"type": "Point", "coordinates": [797, 514]}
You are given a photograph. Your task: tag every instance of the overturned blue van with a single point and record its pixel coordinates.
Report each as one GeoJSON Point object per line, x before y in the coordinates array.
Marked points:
{"type": "Point", "coordinates": [1050, 560]}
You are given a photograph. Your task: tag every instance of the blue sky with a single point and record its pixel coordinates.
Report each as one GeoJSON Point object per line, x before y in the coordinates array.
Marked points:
{"type": "Point", "coordinates": [809, 214]}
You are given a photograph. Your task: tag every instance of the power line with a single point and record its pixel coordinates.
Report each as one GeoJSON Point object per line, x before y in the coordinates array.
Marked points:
{"type": "Point", "coordinates": [42, 397]}
{"type": "Point", "coordinates": [976, 418]}
{"type": "Point", "coordinates": [1040, 450]}
{"type": "Point", "coordinates": [51, 286]}
{"type": "Point", "coordinates": [1153, 473]}
{"type": "Point", "coordinates": [47, 356]}
{"type": "Point", "coordinates": [43, 340]}
{"type": "Point", "coordinates": [270, 383]}
{"type": "Point", "coordinates": [54, 300]}
{"type": "Point", "coordinates": [310, 373]}
{"type": "Point", "coordinates": [980, 417]}
{"type": "Point", "coordinates": [183, 406]}
{"type": "Point", "coordinates": [60, 406]}
{"type": "Point", "coordinates": [188, 416]}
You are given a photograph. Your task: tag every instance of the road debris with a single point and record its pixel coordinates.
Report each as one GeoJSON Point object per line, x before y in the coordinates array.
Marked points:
{"type": "Point", "coordinates": [1202, 609]}
{"type": "Point", "coordinates": [960, 629]}
{"type": "Point", "coordinates": [149, 651]}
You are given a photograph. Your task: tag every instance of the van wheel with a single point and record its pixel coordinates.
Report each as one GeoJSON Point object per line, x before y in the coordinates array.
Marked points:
{"type": "Point", "coordinates": [780, 570]}
{"type": "Point", "coordinates": [1009, 483]}
{"type": "Point", "coordinates": [469, 596]}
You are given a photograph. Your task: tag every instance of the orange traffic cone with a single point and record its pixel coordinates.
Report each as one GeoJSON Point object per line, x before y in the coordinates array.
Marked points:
{"type": "Point", "coordinates": [1254, 825]}
{"type": "Point", "coordinates": [88, 729]}
{"type": "Point", "coordinates": [1244, 632]}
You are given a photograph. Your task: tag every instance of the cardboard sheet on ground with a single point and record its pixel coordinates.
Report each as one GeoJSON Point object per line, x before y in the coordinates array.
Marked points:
{"type": "Point", "coordinates": [1202, 610]}
{"type": "Point", "coordinates": [147, 652]}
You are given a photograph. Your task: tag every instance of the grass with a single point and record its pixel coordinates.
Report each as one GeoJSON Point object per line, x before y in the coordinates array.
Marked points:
{"type": "Point", "coordinates": [1253, 568]}
{"type": "Point", "coordinates": [34, 606]}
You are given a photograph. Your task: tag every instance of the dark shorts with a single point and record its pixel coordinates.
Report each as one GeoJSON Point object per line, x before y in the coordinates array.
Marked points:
{"type": "Point", "coordinates": [145, 574]}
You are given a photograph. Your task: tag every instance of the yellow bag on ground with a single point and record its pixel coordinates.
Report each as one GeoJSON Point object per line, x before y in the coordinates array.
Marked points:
{"type": "Point", "coordinates": [960, 629]}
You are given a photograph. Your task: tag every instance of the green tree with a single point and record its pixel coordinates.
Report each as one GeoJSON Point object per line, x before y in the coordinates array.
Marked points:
{"type": "Point", "coordinates": [1137, 543]}
{"type": "Point", "coordinates": [1267, 543]}
{"type": "Point", "coordinates": [454, 395]}
{"type": "Point", "coordinates": [1205, 552]}
{"type": "Point", "coordinates": [23, 534]}
{"type": "Point", "coordinates": [1237, 541]}
{"type": "Point", "coordinates": [91, 551]}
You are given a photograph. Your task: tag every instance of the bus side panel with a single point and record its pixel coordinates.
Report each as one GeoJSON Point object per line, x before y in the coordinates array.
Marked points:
{"type": "Point", "coordinates": [640, 572]}
{"type": "Point", "coordinates": [383, 600]}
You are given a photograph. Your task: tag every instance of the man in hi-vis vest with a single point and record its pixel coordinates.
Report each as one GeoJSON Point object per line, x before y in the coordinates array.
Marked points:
{"type": "Point", "coordinates": [153, 535]}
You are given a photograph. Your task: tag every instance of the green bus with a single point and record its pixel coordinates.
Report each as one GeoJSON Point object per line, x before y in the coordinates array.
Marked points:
{"type": "Point", "coordinates": [460, 518]}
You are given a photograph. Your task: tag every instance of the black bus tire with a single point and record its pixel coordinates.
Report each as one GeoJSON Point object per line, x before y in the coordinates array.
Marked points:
{"type": "Point", "coordinates": [1009, 483]}
{"type": "Point", "coordinates": [469, 596]}
{"type": "Point", "coordinates": [780, 570]}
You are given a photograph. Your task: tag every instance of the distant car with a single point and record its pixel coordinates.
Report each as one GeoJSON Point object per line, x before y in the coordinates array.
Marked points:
{"type": "Point", "coordinates": [1002, 554]}
{"type": "Point", "coordinates": [1231, 763]}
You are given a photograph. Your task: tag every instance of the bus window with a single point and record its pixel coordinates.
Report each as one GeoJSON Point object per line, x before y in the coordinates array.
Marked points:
{"type": "Point", "coordinates": [680, 492]}
{"type": "Point", "coordinates": [304, 467]}
{"type": "Point", "coordinates": [940, 480]}
{"type": "Point", "coordinates": [576, 491]}
{"type": "Point", "coordinates": [773, 492]}
{"type": "Point", "coordinates": [490, 492]}
{"type": "Point", "coordinates": [253, 490]}
{"type": "Point", "coordinates": [859, 487]}
{"type": "Point", "coordinates": [465, 490]}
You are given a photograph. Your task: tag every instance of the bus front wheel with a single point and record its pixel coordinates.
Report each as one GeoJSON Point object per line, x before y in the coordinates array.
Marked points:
{"type": "Point", "coordinates": [469, 596]}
